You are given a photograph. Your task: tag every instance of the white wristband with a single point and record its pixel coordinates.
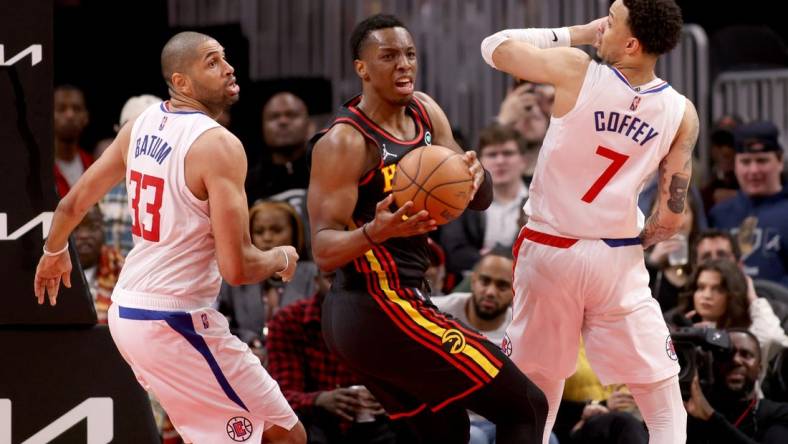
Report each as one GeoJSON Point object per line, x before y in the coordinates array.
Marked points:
{"type": "Point", "coordinates": [540, 37]}
{"type": "Point", "coordinates": [287, 260]}
{"type": "Point", "coordinates": [56, 253]}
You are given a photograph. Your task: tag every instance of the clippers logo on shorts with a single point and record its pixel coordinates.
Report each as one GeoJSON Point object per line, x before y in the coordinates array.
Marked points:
{"type": "Point", "coordinates": [204, 318]}
{"type": "Point", "coordinates": [428, 138]}
{"type": "Point", "coordinates": [670, 350]}
{"type": "Point", "coordinates": [455, 341]}
{"type": "Point", "coordinates": [506, 345]}
{"type": "Point", "coordinates": [239, 429]}
{"type": "Point", "coordinates": [163, 122]}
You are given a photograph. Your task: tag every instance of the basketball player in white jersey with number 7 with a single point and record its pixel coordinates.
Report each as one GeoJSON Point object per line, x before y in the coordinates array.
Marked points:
{"type": "Point", "coordinates": [185, 175]}
{"type": "Point", "coordinates": [580, 267]}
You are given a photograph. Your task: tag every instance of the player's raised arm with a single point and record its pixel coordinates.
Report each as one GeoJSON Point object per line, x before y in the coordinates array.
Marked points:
{"type": "Point", "coordinates": [542, 55]}
{"type": "Point", "coordinates": [339, 160]}
{"type": "Point", "coordinates": [105, 173]}
{"type": "Point", "coordinates": [218, 158]}
{"type": "Point", "coordinates": [675, 171]}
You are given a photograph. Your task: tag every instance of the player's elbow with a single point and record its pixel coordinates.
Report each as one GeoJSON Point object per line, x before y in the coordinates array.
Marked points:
{"type": "Point", "coordinates": [490, 45]}
{"type": "Point", "coordinates": [232, 272]}
{"type": "Point", "coordinates": [324, 261]}
{"type": "Point", "coordinates": [324, 256]}
{"type": "Point", "coordinates": [233, 278]}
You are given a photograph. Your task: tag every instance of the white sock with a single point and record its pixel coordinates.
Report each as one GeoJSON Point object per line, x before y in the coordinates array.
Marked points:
{"type": "Point", "coordinates": [663, 410]}
{"type": "Point", "coordinates": [553, 390]}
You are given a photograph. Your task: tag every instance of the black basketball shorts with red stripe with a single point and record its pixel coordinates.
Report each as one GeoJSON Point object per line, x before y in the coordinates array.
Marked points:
{"type": "Point", "coordinates": [426, 367]}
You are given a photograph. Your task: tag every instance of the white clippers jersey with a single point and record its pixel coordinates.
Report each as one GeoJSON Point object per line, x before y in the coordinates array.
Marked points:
{"type": "Point", "coordinates": [595, 159]}
{"type": "Point", "coordinates": [174, 254]}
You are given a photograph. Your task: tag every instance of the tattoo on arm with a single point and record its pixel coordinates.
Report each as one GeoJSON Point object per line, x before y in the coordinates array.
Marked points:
{"type": "Point", "coordinates": [678, 192]}
{"type": "Point", "coordinates": [653, 231]}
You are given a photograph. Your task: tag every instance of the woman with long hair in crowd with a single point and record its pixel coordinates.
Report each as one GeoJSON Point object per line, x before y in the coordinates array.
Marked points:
{"type": "Point", "coordinates": [249, 307]}
{"type": "Point", "coordinates": [720, 295]}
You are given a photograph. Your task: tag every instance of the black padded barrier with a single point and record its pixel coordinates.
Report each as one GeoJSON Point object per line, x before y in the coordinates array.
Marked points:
{"type": "Point", "coordinates": [61, 378]}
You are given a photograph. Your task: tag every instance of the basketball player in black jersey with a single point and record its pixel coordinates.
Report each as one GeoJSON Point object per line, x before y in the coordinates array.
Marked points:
{"type": "Point", "coordinates": [422, 365]}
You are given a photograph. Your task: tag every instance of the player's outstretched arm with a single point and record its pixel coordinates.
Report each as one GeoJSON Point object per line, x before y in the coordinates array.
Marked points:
{"type": "Point", "coordinates": [339, 160]}
{"type": "Point", "coordinates": [218, 158]}
{"type": "Point", "coordinates": [105, 173]}
{"type": "Point", "coordinates": [542, 55]}
{"type": "Point", "coordinates": [675, 171]}
{"type": "Point", "coordinates": [482, 182]}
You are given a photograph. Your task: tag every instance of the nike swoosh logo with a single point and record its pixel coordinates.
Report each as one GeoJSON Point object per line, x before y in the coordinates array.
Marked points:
{"type": "Point", "coordinates": [555, 37]}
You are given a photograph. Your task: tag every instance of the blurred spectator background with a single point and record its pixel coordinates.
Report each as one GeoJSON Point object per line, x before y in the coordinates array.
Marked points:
{"type": "Point", "coordinates": [293, 65]}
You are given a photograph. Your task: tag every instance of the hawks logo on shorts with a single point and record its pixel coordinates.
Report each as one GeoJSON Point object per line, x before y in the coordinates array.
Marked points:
{"type": "Point", "coordinates": [455, 340]}
{"type": "Point", "coordinates": [239, 428]}
{"type": "Point", "coordinates": [670, 350]}
{"type": "Point", "coordinates": [506, 345]}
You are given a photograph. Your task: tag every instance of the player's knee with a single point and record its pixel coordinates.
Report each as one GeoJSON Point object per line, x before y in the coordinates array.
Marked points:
{"type": "Point", "coordinates": [662, 409]}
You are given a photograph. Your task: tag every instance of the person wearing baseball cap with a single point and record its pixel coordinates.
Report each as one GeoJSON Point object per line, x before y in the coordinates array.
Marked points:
{"type": "Point", "coordinates": [758, 215]}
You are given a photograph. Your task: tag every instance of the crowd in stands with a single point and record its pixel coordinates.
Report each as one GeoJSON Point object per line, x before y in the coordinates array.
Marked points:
{"type": "Point", "coordinates": [727, 269]}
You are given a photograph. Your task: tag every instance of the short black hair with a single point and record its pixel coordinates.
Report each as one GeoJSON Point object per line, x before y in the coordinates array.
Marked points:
{"type": "Point", "coordinates": [497, 251]}
{"type": "Point", "coordinates": [369, 24]}
{"type": "Point", "coordinates": [713, 233]}
{"type": "Point", "coordinates": [751, 335]}
{"type": "Point", "coordinates": [655, 23]}
{"type": "Point", "coordinates": [179, 51]}
{"type": "Point", "coordinates": [69, 87]}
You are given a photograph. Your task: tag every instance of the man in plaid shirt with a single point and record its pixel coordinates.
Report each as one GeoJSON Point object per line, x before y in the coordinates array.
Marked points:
{"type": "Point", "coordinates": [316, 383]}
{"type": "Point", "coordinates": [115, 204]}
{"type": "Point", "coordinates": [117, 220]}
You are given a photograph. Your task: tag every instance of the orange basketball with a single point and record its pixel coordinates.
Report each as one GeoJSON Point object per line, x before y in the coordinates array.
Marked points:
{"type": "Point", "coordinates": [436, 179]}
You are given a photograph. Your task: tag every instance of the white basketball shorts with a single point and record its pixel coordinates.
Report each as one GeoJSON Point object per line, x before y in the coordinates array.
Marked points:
{"type": "Point", "coordinates": [595, 287]}
{"type": "Point", "coordinates": [209, 382]}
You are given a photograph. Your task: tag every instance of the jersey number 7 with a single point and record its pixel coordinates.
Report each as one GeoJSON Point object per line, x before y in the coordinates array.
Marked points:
{"type": "Point", "coordinates": [143, 181]}
{"type": "Point", "coordinates": [618, 161]}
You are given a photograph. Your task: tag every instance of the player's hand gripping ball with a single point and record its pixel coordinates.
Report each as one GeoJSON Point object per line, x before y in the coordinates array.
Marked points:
{"type": "Point", "coordinates": [436, 179]}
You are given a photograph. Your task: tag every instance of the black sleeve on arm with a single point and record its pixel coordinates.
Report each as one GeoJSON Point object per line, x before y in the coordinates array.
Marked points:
{"type": "Point", "coordinates": [484, 195]}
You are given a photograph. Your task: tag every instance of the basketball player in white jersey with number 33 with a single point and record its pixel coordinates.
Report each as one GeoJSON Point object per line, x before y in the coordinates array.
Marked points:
{"type": "Point", "coordinates": [580, 267]}
{"type": "Point", "coordinates": [185, 176]}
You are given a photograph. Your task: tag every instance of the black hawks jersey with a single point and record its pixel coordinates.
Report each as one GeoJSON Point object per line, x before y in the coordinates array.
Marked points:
{"type": "Point", "coordinates": [404, 260]}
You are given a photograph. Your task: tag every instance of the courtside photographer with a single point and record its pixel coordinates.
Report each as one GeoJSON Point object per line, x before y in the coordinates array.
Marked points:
{"type": "Point", "coordinates": [729, 409]}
